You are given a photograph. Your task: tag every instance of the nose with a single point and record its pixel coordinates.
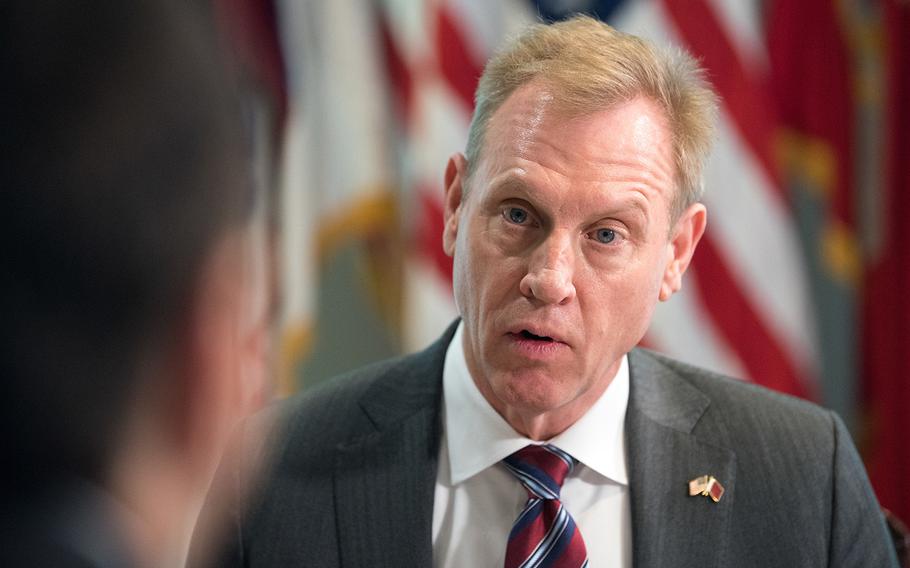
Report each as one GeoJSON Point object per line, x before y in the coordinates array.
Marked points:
{"type": "Point", "coordinates": [550, 276]}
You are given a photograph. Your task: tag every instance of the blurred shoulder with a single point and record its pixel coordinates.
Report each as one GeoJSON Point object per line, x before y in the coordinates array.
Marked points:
{"type": "Point", "coordinates": [356, 404]}
{"type": "Point", "coordinates": [741, 408]}
{"type": "Point", "coordinates": [330, 412]}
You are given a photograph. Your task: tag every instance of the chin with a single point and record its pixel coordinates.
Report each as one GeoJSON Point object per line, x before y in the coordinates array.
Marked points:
{"type": "Point", "coordinates": [533, 392]}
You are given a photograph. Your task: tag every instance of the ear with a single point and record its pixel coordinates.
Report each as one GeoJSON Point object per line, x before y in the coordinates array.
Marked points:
{"type": "Point", "coordinates": [454, 186]}
{"type": "Point", "coordinates": [686, 234]}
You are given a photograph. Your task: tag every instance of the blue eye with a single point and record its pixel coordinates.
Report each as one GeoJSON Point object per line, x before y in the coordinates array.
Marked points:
{"type": "Point", "coordinates": [515, 215]}
{"type": "Point", "coordinates": [605, 236]}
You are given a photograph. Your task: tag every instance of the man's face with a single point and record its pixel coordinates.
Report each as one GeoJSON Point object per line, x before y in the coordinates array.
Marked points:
{"type": "Point", "coordinates": [562, 246]}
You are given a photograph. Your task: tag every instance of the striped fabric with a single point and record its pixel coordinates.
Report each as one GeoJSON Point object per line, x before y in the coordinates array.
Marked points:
{"type": "Point", "coordinates": [544, 533]}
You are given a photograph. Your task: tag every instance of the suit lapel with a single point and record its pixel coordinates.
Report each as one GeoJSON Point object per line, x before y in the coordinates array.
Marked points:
{"type": "Point", "coordinates": [384, 496]}
{"type": "Point", "coordinates": [385, 480]}
{"type": "Point", "coordinates": [668, 525]}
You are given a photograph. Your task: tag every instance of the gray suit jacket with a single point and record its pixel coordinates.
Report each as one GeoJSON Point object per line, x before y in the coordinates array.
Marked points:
{"type": "Point", "coordinates": [354, 468]}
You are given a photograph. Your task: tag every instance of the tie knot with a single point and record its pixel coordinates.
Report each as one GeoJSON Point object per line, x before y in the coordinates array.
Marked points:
{"type": "Point", "coordinates": [541, 469]}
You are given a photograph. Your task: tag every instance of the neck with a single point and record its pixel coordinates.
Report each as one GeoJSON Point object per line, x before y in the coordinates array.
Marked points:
{"type": "Point", "coordinates": [153, 482]}
{"type": "Point", "coordinates": [151, 511]}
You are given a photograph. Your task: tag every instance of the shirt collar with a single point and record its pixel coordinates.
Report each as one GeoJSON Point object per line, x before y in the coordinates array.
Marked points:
{"type": "Point", "coordinates": [477, 437]}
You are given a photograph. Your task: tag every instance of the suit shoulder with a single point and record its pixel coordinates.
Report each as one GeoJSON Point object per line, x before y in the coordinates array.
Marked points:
{"type": "Point", "coordinates": [342, 389]}
{"type": "Point", "coordinates": [330, 411]}
{"type": "Point", "coordinates": [750, 408]}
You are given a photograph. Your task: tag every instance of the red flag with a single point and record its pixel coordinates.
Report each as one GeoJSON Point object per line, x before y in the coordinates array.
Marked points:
{"type": "Point", "coordinates": [887, 309]}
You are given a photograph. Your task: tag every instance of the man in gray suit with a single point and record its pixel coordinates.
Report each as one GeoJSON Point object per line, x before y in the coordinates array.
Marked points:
{"type": "Point", "coordinates": [534, 432]}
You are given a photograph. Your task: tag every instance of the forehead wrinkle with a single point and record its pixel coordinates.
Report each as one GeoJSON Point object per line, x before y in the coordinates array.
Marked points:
{"type": "Point", "coordinates": [655, 165]}
{"type": "Point", "coordinates": [526, 146]}
{"type": "Point", "coordinates": [640, 171]}
{"type": "Point", "coordinates": [656, 157]}
{"type": "Point", "coordinates": [652, 166]}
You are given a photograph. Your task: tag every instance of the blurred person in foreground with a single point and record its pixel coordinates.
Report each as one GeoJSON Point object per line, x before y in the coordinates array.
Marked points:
{"type": "Point", "coordinates": [128, 331]}
{"type": "Point", "coordinates": [534, 432]}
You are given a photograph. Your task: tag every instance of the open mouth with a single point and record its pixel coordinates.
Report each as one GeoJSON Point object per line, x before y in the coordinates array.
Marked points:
{"type": "Point", "coordinates": [525, 334]}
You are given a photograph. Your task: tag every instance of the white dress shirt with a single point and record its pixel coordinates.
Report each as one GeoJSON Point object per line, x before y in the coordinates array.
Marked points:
{"type": "Point", "coordinates": [477, 499]}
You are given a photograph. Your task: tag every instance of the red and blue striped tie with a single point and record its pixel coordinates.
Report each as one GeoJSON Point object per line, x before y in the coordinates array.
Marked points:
{"type": "Point", "coordinates": [544, 535]}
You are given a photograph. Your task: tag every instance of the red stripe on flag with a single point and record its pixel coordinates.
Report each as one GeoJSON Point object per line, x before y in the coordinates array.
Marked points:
{"type": "Point", "coordinates": [746, 98]}
{"type": "Point", "coordinates": [753, 343]}
{"type": "Point", "coordinates": [813, 88]}
{"type": "Point", "coordinates": [458, 65]}
{"type": "Point", "coordinates": [399, 74]}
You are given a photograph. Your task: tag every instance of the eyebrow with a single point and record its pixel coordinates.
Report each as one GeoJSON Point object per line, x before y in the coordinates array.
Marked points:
{"type": "Point", "coordinates": [632, 204]}
{"type": "Point", "coordinates": [508, 181]}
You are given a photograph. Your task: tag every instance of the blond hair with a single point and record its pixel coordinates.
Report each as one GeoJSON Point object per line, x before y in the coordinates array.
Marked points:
{"type": "Point", "coordinates": [592, 67]}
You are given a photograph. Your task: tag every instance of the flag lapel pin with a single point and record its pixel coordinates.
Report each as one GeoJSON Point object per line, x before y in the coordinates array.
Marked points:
{"type": "Point", "coordinates": [706, 486]}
